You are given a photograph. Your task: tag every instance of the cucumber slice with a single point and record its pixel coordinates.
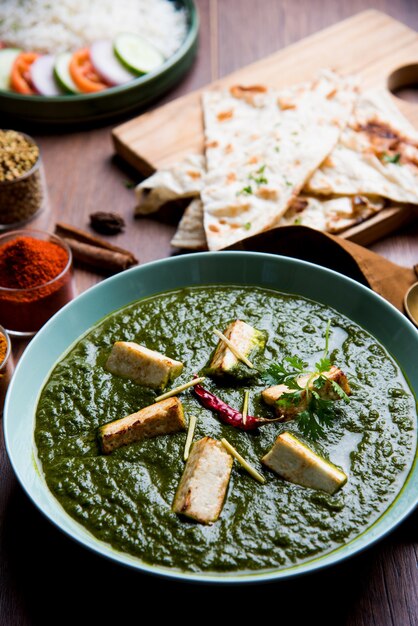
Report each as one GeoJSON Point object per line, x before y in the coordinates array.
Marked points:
{"type": "Point", "coordinates": [107, 64]}
{"type": "Point", "coordinates": [137, 54]}
{"type": "Point", "coordinates": [62, 72]}
{"type": "Point", "coordinates": [7, 58]}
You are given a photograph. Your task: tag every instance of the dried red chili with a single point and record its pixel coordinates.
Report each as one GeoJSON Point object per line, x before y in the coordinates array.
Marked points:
{"type": "Point", "coordinates": [29, 293]}
{"type": "Point", "coordinates": [226, 413]}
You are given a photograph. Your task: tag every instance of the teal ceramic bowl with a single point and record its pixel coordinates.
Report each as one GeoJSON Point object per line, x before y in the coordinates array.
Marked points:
{"type": "Point", "coordinates": [82, 108]}
{"type": "Point", "coordinates": [240, 268]}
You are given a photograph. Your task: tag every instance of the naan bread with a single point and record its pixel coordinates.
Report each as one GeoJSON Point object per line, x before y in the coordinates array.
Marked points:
{"type": "Point", "coordinates": [182, 181]}
{"type": "Point", "coordinates": [261, 147]}
{"type": "Point", "coordinates": [377, 154]}
{"type": "Point", "coordinates": [331, 215]}
{"type": "Point", "coordinates": [190, 233]}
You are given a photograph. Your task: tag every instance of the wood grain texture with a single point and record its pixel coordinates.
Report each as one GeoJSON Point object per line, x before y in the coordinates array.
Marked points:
{"type": "Point", "coordinates": [45, 578]}
{"type": "Point", "coordinates": [371, 45]}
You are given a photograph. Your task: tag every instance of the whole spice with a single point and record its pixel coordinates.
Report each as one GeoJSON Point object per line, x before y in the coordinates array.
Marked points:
{"type": "Point", "coordinates": [3, 348]}
{"type": "Point", "coordinates": [17, 155]}
{"type": "Point", "coordinates": [35, 281]}
{"type": "Point", "coordinates": [107, 223]}
{"type": "Point", "coordinates": [6, 367]}
{"type": "Point", "coordinates": [22, 187]}
{"type": "Point", "coordinates": [227, 414]}
{"type": "Point", "coordinates": [95, 252]}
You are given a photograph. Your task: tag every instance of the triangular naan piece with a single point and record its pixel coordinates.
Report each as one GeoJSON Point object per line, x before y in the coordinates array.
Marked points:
{"type": "Point", "coordinates": [261, 147]}
{"type": "Point", "coordinates": [331, 215]}
{"type": "Point", "coordinates": [185, 180]}
{"type": "Point", "coordinates": [377, 154]}
{"type": "Point", "coordinates": [190, 233]}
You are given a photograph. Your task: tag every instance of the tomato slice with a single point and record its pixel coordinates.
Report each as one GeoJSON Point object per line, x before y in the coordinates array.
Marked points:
{"type": "Point", "coordinates": [83, 73]}
{"type": "Point", "coordinates": [20, 77]}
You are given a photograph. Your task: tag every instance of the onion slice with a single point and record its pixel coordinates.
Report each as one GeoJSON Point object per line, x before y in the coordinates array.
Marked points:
{"type": "Point", "coordinates": [43, 78]}
{"type": "Point", "coordinates": [107, 65]}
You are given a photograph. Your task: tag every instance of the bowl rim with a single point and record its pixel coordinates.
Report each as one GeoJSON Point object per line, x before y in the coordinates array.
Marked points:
{"type": "Point", "coordinates": [193, 22]}
{"type": "Point", "coordinates": [355, 545]}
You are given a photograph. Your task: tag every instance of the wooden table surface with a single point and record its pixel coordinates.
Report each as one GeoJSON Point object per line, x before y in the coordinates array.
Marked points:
{"type": "Point", "coordinates": [47, 578]}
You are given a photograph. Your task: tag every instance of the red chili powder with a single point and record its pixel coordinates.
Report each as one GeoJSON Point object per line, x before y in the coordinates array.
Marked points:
{"type": "Point", "coordinates": [28, 265]}
{"type": "Point", "coordinates": [26, 262]}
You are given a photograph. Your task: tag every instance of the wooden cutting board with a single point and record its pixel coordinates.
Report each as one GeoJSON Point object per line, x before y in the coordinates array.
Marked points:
{"type": "Point", "coordinates": [370, 44]}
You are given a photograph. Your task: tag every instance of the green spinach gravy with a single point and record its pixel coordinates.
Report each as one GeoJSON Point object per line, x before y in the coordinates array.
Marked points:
{"type": "Point", "coordinates": [125, 498]}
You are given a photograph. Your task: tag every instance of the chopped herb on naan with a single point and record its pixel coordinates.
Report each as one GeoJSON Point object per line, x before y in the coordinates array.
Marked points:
{"type": "Point", "coordinates": [261, 147]}
{"type": "Point", "coordinates": [377, 154]}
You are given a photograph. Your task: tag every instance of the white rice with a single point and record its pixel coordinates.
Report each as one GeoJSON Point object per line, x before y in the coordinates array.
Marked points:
{"type": "Point", "coordinates": [65, 25]}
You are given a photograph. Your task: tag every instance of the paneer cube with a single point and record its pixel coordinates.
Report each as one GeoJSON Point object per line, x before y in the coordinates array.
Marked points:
{"type": "Point", "coordinates": [203, 485]}
{"type": "Point", "coordinates": [244, 338]}
{"type": "Point", "coordinates": [296, 462]}
{"type": "Point", "coordinates": [145, 367]}
{"type": "Point", "coordinates": [161, 418]}
{"type": "Point", "coordinates": [273, 394]}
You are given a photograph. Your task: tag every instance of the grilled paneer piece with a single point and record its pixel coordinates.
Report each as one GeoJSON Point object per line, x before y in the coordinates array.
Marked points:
{"type": "Point", "coordinates": [145, 367]}
{"type": "Point", "coordinates": [202, 488]}
{"type": "Point", "coordinates": [273, 394]}
{"type": "Point", "coordinates": [294, 461]}
{"type": "Point", "coordinates": [161, 418]}
{"type": "Point", "coordinates": [244, 338]}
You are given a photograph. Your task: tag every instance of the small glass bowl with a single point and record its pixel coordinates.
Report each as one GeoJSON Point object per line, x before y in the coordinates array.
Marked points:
{"type": "Point", "coordinates": [25, 198]}
{"type": "Point", "coordinates": [24, 311]}
{"type": "Point", "coordinates": [6, 368]}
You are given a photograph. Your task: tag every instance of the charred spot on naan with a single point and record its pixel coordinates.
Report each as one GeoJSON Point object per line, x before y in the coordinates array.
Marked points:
{"type": "Point", "coordinates": [285, 104]}
{"type": "Point", "coordinates": [298, 205]}
{"type": "Point", "coordinates": [331, 94]}
{"type": "Point", "coordinates": [248, 94]}
{"type": "Point", "coordinates": [225, 115]}
{"type": "Point", "coordinates": [267, 194]}
{"type": "Point", "coordinates": [388, 144]}
{"type": "Point", "coordinates": [231, 210]}
{"type": "Point", "coordinates": [194, 174]}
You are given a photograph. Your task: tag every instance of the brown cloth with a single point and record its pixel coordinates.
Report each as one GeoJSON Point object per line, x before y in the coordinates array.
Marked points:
{"type": "Point", "coordinates": [386, 278]}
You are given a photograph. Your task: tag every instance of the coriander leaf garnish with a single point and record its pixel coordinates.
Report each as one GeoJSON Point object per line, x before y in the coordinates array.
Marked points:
{"type": "Point", "coordinates": [392, 158]}
{"type": "Point", "coordinates": [129, 184]}
{"type": "Point", "coordinates": [247, 190]}
{"type": "Point", "coordinates": [259, 180]}
{"type": "Point", "coordinates": [282, 374]}
{"type": "Point", "coordinates": [311, 395]}
{"type": "Point", "coordinates": [247, 226]}
{"type": "Point", "coordinates": [323, 365]}
{"type": "Point", "coordinates": [339, 391]}
{"type": "Point", "coordinates": [258, 177]}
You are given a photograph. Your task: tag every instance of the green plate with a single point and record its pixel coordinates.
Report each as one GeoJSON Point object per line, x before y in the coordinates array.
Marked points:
{"type": "Point", "coordinates": [359, 303]}
{"type": "Point", "coordinates": [114, 100]}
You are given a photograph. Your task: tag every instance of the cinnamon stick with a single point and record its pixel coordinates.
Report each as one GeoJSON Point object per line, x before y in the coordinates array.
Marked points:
{"type": "Point", "coordinates": [95, 252]}
{"type": "Point", "coordinates": [72, 232]}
